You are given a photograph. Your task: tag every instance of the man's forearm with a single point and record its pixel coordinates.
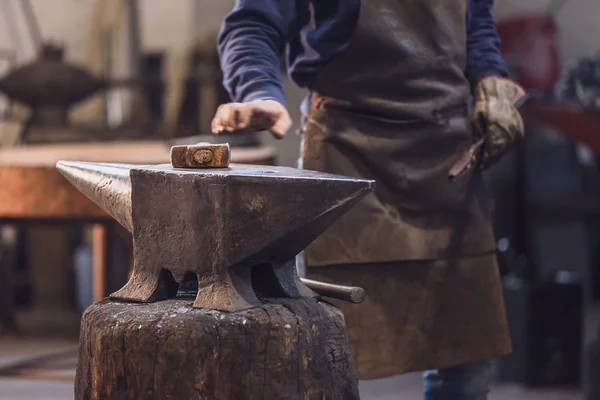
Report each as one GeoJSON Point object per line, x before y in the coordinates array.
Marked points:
{"type": "Point", "coordinates": [250, 43]}
{"type": "Point", "coordinates": [483, 51]}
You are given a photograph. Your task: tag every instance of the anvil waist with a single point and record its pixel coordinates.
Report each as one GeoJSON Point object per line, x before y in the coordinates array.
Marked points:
{"type": "Point", "coordinates": [391, 107]}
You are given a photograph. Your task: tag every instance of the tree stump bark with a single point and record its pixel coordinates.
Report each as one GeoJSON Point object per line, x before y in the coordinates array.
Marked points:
{"type": "Point", "coordinates": [295, 349]}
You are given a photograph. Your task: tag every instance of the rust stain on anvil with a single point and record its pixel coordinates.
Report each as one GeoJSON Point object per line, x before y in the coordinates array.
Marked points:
{"type": "Point", "coordinates": [238, 229]}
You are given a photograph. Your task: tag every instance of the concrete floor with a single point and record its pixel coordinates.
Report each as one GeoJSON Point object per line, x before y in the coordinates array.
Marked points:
{"type": "Point", "coordinates": [404, 388]}
{"type": "Point", "coordinates": [407, 387]}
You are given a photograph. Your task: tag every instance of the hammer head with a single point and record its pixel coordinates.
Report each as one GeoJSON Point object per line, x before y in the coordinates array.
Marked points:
{"type": "Point", "coordinates": [201, 155]}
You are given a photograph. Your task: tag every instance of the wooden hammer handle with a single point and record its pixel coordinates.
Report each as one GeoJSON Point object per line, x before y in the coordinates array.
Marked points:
{"type": "Point", "coordinates": [351, 294]}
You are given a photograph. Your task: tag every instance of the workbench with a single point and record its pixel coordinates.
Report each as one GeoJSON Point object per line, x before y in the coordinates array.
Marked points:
{"type": "Point", "coordinates": [33, 191]}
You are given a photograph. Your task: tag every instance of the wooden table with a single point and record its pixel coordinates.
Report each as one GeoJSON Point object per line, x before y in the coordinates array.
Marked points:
{"type": "Point", "coordinates": [33, 191]}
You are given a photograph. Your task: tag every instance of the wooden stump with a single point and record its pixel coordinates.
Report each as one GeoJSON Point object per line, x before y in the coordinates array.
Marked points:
{"type": "Point", "coordinates": [295, 349]}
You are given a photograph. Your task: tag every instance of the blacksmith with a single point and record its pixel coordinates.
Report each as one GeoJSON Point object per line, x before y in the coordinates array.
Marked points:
{"type": "Point", "coordinates": [397, 90]}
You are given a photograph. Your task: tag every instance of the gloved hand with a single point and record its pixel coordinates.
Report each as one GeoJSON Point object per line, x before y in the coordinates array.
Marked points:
{"type": "Point", "coordinates": [255, 115]}
{"type": "Point", "coordinates": [496, 117]}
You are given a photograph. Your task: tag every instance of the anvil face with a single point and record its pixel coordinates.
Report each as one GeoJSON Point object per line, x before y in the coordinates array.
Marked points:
{"type": "Point", "coordinates": [237, 229]}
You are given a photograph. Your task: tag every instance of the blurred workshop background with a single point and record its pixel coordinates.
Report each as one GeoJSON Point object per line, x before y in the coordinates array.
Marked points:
{"type": "Point", "coordinates": [123, 80]}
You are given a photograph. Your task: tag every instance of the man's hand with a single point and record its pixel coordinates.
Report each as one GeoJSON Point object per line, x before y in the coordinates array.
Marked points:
{"type": "Point", "coordinates": [257, 115]}
{"type": "Point", "coordinates": [497, 118]}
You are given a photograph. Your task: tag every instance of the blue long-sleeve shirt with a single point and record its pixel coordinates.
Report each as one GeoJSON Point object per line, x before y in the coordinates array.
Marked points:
{"type": "Point", "coordinates": [256, 32]}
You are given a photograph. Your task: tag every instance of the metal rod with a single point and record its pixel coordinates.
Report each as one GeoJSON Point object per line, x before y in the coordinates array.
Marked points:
{"type": "Point", "coordinates": [99, 246]}
{"type": "Point", "coordinates": [106, 49]}
{"type": "Point", "coordinates": [32, 23]}
{"type": "Point", "coordinates": [13, 30]}
{"type": "Point", "coordinates": [134, 36]}
{"type": "Point", "coordinates": [351, 294]}
{"type": "Point", "coordinates": [134, 46]}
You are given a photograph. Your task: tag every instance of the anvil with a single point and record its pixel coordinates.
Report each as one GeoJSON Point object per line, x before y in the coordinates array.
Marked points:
{"type": "Point", "coordinates": [236, 230]}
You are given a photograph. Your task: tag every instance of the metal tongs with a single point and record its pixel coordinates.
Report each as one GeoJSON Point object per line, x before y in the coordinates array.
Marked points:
{"type": "Point", "coordinates": [472, 156]}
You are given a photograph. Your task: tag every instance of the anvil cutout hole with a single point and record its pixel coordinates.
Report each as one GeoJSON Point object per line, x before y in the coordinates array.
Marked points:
{"type": "Point", "coordinates": [264, 282]}
{"type": "Point", "coordinates": [188, 288]}
{"type": "Point", "coordinates": [168, 286]}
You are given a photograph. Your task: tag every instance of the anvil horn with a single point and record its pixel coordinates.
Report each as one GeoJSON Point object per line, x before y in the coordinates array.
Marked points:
{"type": "Point", "coordinates": [107, 185]}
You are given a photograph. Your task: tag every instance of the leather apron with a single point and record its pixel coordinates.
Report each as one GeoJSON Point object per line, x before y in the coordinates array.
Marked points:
{"type": "Point", "coordinates": [391, 107]}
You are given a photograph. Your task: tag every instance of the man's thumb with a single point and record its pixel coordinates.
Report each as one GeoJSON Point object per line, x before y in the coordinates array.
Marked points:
{"type": "Point", "coordinates": [281, 127]}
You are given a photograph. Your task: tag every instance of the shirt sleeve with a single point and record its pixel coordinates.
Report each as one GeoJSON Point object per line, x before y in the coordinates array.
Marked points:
{"type": "Point", "coordinates": [251, 41]}
{"type": "Point", "coordinates": [483, 51]}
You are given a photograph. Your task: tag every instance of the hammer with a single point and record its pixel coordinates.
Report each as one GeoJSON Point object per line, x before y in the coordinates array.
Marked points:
{"type": "Point", "coordinates": [207, 155]}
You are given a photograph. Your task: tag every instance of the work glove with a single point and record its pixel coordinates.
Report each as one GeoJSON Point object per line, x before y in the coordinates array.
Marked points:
{"type": "Point", "coordinates": [258, 115]}
{"type": "Point", "coordinates": [496, 118]}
